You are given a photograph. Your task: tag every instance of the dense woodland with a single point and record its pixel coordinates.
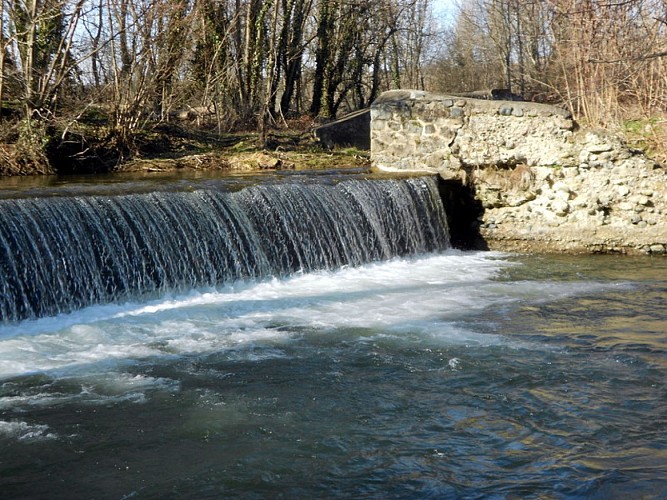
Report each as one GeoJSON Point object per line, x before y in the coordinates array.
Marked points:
{"type": "Point", "coordinates": [120, 67]}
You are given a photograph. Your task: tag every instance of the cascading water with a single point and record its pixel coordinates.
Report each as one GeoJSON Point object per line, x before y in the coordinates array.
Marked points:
{"type": "Point", "coordinates": [59, 254]}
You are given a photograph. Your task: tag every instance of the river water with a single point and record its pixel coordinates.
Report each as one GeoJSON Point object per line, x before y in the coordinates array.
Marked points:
{"type": "Point", "coordinates": [314, 339]}
{"type": "Point", "coordinates": [447, 375]}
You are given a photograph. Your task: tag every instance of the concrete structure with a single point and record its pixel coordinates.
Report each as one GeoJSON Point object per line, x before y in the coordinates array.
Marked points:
{"type": "Point", "coordinates": [350, 130]}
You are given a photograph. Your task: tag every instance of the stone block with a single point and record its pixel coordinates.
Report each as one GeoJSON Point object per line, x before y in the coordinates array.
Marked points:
{"type": "Point", "coordinates": [413, 127]}
{"type": "Point", "coordinates": [394, 125]}
{"type": "Point", "coordinates": [505, 110]}
{"type": "Point", "coordinates": [380, 113]}
{"type": "Point", "coordinates": [456, 112]}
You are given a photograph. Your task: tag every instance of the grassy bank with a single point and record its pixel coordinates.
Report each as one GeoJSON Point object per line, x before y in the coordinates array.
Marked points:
{"type": "Point", "coordinates": [88, 148]}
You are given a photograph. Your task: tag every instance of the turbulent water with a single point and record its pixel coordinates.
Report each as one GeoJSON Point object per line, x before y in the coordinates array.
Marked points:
{"type": "Point", "coordinates": [58, 254]}
{"type": "Point", "coordinates": [444, 374]}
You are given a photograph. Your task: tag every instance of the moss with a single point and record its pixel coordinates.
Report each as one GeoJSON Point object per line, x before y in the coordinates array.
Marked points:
{"type": "Point", "coordinates": [633, 126]}
{"type": "Point", "coordinates": [647, 135]}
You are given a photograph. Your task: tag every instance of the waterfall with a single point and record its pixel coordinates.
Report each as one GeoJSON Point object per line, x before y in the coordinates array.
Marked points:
{"type": "Point", "coordinates": [58, 254]}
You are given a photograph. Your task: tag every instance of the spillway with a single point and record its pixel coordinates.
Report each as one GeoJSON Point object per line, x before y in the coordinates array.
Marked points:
{"type": "Point", "coordinates": [62, 253]}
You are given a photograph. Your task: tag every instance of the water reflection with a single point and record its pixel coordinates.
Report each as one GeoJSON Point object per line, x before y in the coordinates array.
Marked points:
{"type": "Point", "coordinates": [177, 180]}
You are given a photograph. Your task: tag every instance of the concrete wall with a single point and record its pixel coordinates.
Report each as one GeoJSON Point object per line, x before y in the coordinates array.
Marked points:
{"type": "Point", "coordinates": [350, 130]}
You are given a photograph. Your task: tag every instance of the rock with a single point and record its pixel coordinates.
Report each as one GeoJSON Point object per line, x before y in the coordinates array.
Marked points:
{"type": "Point", "coordinates": [561, 186]}
{"type": "Point", "coordinates": [456, 112]}
{"type": "Point", "coordinates": [560, 207]}
{"type": "Point", "coordinates": [517, 199]}
{"type": "Point", "coordinates": [635, 219]}
{"type": "Point", "coordinates": [506, 110]}
{"type": "Point", "coordinates": [599, 141]}
{"type": "Point", "coordinates": [641, 200]}
{"type": "Point", "coordinates": [626, 206]}
{"type": "Point", "coordinates": [623, 190]}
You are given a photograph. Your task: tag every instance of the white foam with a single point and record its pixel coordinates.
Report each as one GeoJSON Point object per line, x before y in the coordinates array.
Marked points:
{"type": "Point", "coordinates": [90, 387]}
{"type": "Point", "coordinates": [423, 297]}
{"type": "Point", "coordinates": [22, 431]}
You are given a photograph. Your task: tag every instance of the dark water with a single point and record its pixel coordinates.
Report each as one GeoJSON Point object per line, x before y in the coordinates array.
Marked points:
{"type": "Point", "coordinates": [448, 375]}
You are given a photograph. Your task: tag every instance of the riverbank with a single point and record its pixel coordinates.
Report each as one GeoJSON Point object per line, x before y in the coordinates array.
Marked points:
{"type": "Point", "coordinates": [173, 147]}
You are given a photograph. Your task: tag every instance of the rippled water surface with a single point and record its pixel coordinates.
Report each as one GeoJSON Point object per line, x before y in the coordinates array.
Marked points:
{"type": "Point", "coordinates": [457, 375]}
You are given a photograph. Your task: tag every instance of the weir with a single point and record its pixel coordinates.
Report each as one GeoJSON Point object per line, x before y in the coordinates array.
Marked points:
{"type": "Point", "coordinates": [59, 254]}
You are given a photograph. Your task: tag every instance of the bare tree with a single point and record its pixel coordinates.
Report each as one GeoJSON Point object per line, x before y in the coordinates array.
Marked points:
{"type": "Point", "coordinates": [43, 34]}
{"type": "Point", "coordinates": [252, 63]}
{"type": "Point", "coordinates": [146, 48]}
{"type": "Point", "coordinates": [604, 59]}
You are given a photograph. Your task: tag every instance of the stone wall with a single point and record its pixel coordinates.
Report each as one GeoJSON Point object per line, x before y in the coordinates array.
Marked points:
{"type": "Point", "coordinates": [414, 130]}
{"type": "Point", "coordinates": [544, 185]}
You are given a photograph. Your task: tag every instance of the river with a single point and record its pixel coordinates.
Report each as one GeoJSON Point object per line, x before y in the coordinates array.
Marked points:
{"type": "Point", "coordinates": [446, 374]}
